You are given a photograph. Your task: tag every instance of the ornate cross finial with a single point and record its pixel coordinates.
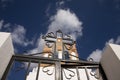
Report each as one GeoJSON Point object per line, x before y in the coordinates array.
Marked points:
{"type": "Point", "coordinates": [60, 45]}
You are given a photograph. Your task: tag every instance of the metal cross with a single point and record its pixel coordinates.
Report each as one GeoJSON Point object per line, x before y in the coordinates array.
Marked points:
{"type": "Point", "coordinates": [52, 38]}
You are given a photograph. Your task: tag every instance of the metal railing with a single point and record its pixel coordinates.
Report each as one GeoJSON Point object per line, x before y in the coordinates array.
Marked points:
{"type": "Point", "coordinates": [60, 68]}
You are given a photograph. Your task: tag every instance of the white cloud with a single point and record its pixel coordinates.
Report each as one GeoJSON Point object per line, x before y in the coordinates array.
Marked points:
{"type": "Point", "coordinates": [1, 24]}
{"type": "Point", "coordinates": [115, 41]}
{"type": "Point", "coordinates": [7, 25]}
{"type": "Point", "coordinates": [39, 45]}
{"type": "Point", "coordinates": [67, 22]}
{"type": "Point", "coordinates": [19, 36]}
{"type": "Point", "coordinates": [111, 41]}
{"type": "Point", "coordinates": [95, 55]}
{"type": "Point", "coordinates": [118, 40]}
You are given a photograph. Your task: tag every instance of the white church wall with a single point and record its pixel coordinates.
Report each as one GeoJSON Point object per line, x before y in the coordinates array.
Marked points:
{"type": "Point", "coordinates": [110, 62]}
{"type": "Point", "coordinates": [66, 74]}
{"type": "Point", "coordinates": [42, 75]}
{"type": "Point", "coordinates": [6, 51]}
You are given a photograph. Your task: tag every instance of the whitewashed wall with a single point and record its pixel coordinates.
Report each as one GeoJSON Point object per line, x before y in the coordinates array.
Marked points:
{"type": "Point", "coordinates": [6, 51]}
{"type": "Point", "coordinates": [111, 61]}
{"type": "Point", "coordinates": [45, 76]}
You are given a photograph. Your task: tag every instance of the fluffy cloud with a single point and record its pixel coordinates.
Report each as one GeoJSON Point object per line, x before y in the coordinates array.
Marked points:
{"type": "Point", "coordinates": [66, 21]}
{"type": "Point", "coordinates": [116, 41]}
{"type": "Point", "coordinates": [96, 55]}
{"type": "Point", "coordinates": [39, 45]}
{"type": "Point", "coordinates": [19, 36]}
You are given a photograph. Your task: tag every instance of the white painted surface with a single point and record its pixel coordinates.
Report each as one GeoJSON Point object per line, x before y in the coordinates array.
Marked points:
{"type": "Point", "coordinates": [110, 61]}
{"type": "Point", "coordinates": [73, 57]}
{"type": "Point", "coordinates": [82, 74]}
{"type": "Point", "coordinates": [45, 55]}
{"type": "Point", "coordinates": [116, 49]}
{"type": "Point", "coordinates": [42, 75]}
{"type": "Point", "coordinates": [60, 54]}
{"type": "Point", "coordinates": [6, 51]}
{"type": "Point", "coordinates": [45, 76]}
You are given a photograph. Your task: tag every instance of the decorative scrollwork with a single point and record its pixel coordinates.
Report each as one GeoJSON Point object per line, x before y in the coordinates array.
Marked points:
{"type": "Point", "coordinates": [51, 41]}
{"type": "Point", "coordinates": [91, 59]}
{"type": "Point", "coordinates": [67, 36]}
{"type": "Point", "coordinates": [47, 69]}
{"type": "Point", "coordinates": [49, 44]}
{"type": "Point", "coordinates": [68, 47]}
{"type": "Point", "coordinates": [69, 75]}
{"type": "Point", "coordinates": [51, 34]}
{"type": "Point", "coordinates": [95, 73]}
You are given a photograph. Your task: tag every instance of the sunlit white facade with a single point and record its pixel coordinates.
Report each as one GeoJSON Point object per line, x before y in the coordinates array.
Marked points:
{"type": "Point", "coordinates": [6, 51]}
{"type": "Point", "coordinates": [82, 74]}
{"type": "Point", "coordinates": [111, 61]}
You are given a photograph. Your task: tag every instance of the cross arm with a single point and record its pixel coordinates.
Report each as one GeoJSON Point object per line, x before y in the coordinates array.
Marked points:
{"type": "Point", "coordinates": [68, 41]}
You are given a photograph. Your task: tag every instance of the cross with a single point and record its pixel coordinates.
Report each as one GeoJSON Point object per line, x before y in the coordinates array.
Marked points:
{"type": "Point", "coordinates": [50, 37]}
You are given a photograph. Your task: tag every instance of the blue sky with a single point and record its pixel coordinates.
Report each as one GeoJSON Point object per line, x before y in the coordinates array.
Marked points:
{"type": "Point", "coordinates": [92, 23]}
